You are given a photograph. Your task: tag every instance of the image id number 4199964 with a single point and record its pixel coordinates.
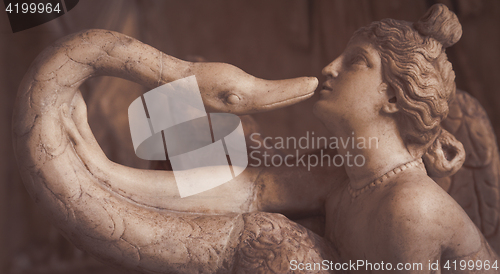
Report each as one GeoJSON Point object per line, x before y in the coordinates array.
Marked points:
{"type": "Point", "coordinates": [470, 265]}
{"type": "Point", "coordinates": [33, 8]}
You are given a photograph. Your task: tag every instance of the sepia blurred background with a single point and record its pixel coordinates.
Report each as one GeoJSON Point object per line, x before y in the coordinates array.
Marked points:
{"type": "Point", "coordinates": [272, 39]}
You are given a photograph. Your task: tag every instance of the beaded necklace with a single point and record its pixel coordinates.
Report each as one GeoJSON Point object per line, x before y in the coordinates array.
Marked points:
{"type": "Point", "coordinates": [377, 182]}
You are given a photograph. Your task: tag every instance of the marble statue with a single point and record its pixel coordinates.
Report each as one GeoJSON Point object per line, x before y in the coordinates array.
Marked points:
{"type": "Point", "coordinates": [392, 82]}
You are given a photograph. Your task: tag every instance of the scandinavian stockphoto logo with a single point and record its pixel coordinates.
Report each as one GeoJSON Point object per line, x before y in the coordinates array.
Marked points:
{"type": "Point", "coordinates": [170, 122]}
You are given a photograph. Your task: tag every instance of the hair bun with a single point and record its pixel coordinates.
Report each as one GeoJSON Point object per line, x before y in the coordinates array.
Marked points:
{"type": "Point", "coordinates": [441, 24]}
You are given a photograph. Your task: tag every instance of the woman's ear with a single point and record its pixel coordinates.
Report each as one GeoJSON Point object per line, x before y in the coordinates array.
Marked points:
{"type": "Point", "coordinates": [390, 105]}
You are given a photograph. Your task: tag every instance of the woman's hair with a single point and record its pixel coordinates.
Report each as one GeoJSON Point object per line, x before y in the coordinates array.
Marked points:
{"type": "Point", "coordinates": [416, 68]}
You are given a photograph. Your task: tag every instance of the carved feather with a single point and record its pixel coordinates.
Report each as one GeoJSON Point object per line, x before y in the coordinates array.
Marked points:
{"type": "Point", "coordinates": [476, 185]}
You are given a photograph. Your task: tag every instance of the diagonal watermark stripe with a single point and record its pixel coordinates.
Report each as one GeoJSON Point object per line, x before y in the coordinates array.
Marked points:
{"type": "Point", "coordinates": [173, 115]}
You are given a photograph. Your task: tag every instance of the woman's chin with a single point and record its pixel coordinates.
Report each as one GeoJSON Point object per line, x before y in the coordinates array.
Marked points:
{"type": "Point", "coordinates": [325, 111]}
{"type": "Point", "coordinates": [319, 109]}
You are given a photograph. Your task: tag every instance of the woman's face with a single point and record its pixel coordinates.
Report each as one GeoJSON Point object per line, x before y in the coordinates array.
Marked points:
{"type": "Point", "coordinates": [353, 92]}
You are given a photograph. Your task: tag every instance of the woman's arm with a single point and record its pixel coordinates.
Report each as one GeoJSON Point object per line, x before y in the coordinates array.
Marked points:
{"type": "Point", "coordinates": [296, 191]}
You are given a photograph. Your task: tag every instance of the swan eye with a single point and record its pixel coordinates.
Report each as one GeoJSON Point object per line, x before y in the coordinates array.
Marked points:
{"type": "Point", "coordinates": [233, 99]}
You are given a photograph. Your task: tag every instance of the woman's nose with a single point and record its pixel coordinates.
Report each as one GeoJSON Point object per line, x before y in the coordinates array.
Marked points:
{"type": "Point", "coordinates": [332, 69]}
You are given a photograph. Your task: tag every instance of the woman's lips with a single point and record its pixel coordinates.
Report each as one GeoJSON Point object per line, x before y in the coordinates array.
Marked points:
{"type": "Point", "coordinates": [325, 89]}
{"type": "Point", "coordinates": [327, 86]}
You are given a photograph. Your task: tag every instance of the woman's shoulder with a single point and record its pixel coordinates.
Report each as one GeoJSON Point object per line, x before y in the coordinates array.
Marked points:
{"type": "Point", "coordinates": [418, 209]}
{"type": "Point", "coordinates": [418, 194]}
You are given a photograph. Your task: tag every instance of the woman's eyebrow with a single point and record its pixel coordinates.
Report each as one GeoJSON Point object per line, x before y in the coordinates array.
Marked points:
{"type": "Point", "coordinates": [361, 50]}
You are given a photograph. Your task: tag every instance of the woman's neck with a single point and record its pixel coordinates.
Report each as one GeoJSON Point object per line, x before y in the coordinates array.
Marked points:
{"type": "Point", "coordinates": [381, 149]}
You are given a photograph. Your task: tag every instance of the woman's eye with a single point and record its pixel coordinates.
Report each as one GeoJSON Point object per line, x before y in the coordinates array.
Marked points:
{"type": "Point", "coordinates": [358, 60]}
